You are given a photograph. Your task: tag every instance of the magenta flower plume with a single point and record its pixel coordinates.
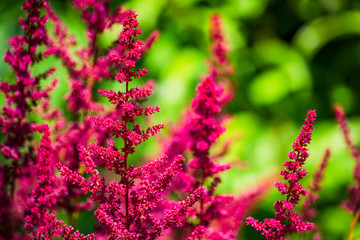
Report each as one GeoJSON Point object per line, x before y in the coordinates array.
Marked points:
{"type": "Point", "coordinates": [198, 132]}
{"type": "Point", "coordinates": [22, 95]}
{"type": "Point", "coordinates": [88, 67]}
{"type": "Point", "coordinates": [219, 64]}
{"type": "Point", "coordinates": [354, 191]}
{"type": "Point", "coordinates": [286, 221]}
{"type": "Point", "coordinates": [127, 207]}
{"type": "Point", "coordinates": [43, 190]}
{"type": "Point", "coordinates": [39, 222]}
{"type": "Point", "coordinates": [315, 186]}
{"type": "Point", "coordinates": [204, 129]}
{"type": "Point", "coordinates": [341, 118]}
{"type": "Point", "coordinates": [150, 40]}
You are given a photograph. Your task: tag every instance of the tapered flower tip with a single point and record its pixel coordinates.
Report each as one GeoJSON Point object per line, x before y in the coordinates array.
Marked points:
{"type": "Point", "coordinates": [337, 107]}
{"type": "Point", "coordinates": [311, 115]}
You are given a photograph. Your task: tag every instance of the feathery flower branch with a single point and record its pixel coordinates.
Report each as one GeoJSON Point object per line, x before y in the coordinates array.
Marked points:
{"type": "Point", "coordinates": [314, 187]}
{"type": "Point", "coordinates": [126, 207]}
{"type": "Point", "coordinates": [21, 97]}
{"type": "Point", "coordinates": [40, 222]}
{"type": "Point", "coordinates": [353, 203]}
{"type": "Point", "coordinates": [286, 221]}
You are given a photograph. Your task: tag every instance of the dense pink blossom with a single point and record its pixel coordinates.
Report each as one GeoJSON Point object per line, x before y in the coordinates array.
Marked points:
{"type": "Point", "coordinates": [90, 66]}
{"type": "Point", "coordinates": [25, 92]}
{"type": "Point", "coordinates": [21, 96]}
{"type": "Point", "coordinates": [86, 161]}
{"type": "Point", "coordinates": [126, 207]}
{"type": "Point", "coordinates": [40, 222]}
{"type": "Point", "coordinates": [286, 221]}
{"type": "Point", "coordinates": [218, 62]}
{"type": "Point", "coordinates": [219, 216]}
{"type": "Point", "coordinates": [204, 129]}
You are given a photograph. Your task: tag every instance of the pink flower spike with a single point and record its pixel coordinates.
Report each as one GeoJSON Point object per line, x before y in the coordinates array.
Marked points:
{"type": "Point", "coordinates": [286, 221]}
{"type": "Point", "coordinates": [341, 118]}
{"type": "Point", "coordinates": [314, 188]}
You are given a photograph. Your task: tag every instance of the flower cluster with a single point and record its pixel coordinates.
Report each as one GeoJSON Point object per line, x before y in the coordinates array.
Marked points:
{"type": "Point", "coordinates": [219, 216]}
{"type": "Point", "coordinates": [203, 129]}
{"type": "Point", "coordinates": [92, 65]}
{"type": "Point", "coordinates": [40, 223]}
{"type": "Point", "coordinates": [21, 96]}
{"type": "Point", "coordinates": [85, 160]}
{"type": "Point", "coordinates": [24, 94]}
{"type": "Point", "coordinates": [126, 207]}
{"type": "Point", "coordinates": [286, 221]}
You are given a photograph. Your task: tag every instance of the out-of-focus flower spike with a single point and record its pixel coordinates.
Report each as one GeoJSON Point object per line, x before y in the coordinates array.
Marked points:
{"type": "Point", "coordinates": [341, 118]}
{"type": "Point", "coordinates": [21, 97]}
{"type": "Point", "coordinates": [150, 40]}
{"type": "Point", "coordinates": [314, 188]}
{"type": "Point", "coordinates": [172, 216]}
{"type": "Point", "coordinates": [219, 64]}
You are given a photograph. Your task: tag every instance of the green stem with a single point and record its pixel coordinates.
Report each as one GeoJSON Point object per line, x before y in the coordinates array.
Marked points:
{"type": "Point", "coordinates": [353, 224]}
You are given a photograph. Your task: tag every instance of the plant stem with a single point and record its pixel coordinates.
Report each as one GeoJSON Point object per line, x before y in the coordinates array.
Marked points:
{"type": "Point", "coordinates": [126, 194]}
{"type": "Point", "coordinates": [126, 180]}
{"type": "Point", "coordinates": [353, 224]}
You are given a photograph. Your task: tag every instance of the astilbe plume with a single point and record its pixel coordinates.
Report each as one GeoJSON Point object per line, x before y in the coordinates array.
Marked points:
{"type": "Point", "coordinates": [219, 64]}
{"type": "Point", "coordinates": [342, 121]}
{"type": "Point", "coordinates": [219, 216]}
{"type": "Point", "coordinates": [204, 129]}
{"type": "Point", "coordinates": [126, 206]}
{"type": "Point", "coordinates": [91, 66]}
{"type": "Point", "coordinates": [309, 212]}
{"type": "Point", "coordinates": [354, 191]}
{"type": "Point", "coordinates": [314, 187]}
{"type": "Point", "coordinates": [94, 64]}
{"type": "Point", "coordinates": [353, 203]}
{"type": "Point", "coordinates": [83, 72]}
{"type": "Point", "coordinates": [40, 223]}
{"type": "Point", "coordinates": [21, 97]}
{"type": "Point", "coordinates": [286, 221]}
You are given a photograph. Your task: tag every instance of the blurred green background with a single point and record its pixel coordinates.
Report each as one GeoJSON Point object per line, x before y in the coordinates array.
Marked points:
{"type": "Point", "coordinates": [289, 56]}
